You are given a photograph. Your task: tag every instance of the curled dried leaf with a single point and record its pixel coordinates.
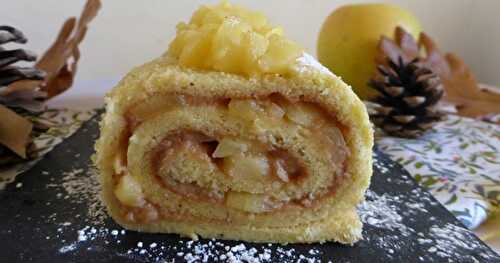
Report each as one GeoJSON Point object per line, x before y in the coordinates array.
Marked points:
{"type": "Point", "coordinates": [461, 86]}
{"type": "Point", "coordinates": [61, 59]}
{"type": "Point", "coordinates": [15, 131]}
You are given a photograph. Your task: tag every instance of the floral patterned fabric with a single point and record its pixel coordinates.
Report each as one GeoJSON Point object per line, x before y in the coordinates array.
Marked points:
{"type": "Point", "coordinates": [458, 161]}
{"type": "Point", "coordinates": [63, 122]}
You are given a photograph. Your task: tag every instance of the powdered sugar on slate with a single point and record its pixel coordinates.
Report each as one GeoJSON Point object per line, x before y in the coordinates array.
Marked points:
{"type": "Point", "coordinates": [393, 212]}
{"type": "Point", "coordinates": [445, 240]}
{"type": "Point", "coordinates": [379, 211]}
{"type": "Point", "coordinates": [81, 186]}
{"type": "Point", "coordinates": [386, 219]}
{"type": "Point", "coordinates": [195, 251]}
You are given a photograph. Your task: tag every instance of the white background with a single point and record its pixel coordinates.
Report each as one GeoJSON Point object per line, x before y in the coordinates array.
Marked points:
{"type": "Point", "coordinates": [129, 32]}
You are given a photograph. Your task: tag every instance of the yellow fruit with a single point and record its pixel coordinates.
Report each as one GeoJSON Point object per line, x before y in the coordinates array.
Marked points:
{"type": "Point", "coordinates": [347, 42]}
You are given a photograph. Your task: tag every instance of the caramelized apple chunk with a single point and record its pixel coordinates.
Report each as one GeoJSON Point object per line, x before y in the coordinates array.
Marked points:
{"type": "Point", "coordinates": [247, 110]}
{"type": "Point", "coordinates": [274, 111]}
{"type": "Point", "coordinates": [129, 191]}
{"type": "Point", "coordinates": [303, 114]}
{"type": "Point", "coordinates": [253, 203]}
{"type": "Point", "coordinates": [280, 171]}
{"type": "Point", "coordinates": [228, 147]}
{"type": "Point", "coordinates": [251, 167]}
{"type": "Point", "coordinates": [119, 165]}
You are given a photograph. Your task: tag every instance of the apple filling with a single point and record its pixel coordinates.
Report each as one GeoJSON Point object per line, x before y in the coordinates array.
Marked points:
{"type": "Point", "coordinates": [231, 39]}
{"type": "Point", "coordinates": [243, 174]}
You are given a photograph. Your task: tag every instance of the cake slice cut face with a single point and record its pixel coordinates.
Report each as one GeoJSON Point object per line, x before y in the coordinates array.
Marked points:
{"type": "Point", "coordinates": [235, 133]}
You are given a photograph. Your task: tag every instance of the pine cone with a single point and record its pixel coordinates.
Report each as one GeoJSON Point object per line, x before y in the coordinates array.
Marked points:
{"type": "Point", "coordinates": [408, 94]}
{"type": "Point", "coordinates": [20, 101]}
{"type": "Point", "coordinates": [9, 73]}
{"type": "Point", "coordinates": [23, 90]}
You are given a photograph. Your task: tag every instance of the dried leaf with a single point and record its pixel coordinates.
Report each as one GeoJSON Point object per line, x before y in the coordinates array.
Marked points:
{"type": "Point", "coordinates": [461, 87]}
{"type": "Point", "coordinates": [15, 131]}
{"type": "Point", "coordinates": [460, 83]}
{"type": "Point", "coordinates": [61, 59]}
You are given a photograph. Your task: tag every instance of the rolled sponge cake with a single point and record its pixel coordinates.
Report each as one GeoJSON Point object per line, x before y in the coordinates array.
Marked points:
{"type": "Point", "coordinates": [269, 157]}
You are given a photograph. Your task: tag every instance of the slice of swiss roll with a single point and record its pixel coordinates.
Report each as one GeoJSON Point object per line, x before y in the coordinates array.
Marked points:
{"type": "Point", "coordinates": [235, 133]}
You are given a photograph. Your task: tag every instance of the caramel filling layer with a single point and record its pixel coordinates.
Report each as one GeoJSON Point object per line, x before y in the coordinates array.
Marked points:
{"type": "Point", "coordinates": [243, 174]}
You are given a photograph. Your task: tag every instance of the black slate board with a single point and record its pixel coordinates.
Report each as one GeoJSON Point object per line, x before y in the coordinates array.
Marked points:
{"type": "Point", "coordinates": [31, 217]}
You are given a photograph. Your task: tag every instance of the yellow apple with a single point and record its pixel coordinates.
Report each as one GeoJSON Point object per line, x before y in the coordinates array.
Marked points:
{"type": "Point", "coordinates": [347, 42]}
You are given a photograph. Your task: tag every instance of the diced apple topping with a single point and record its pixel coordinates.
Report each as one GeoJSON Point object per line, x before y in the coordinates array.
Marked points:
{"type": "Point", "coordinates": [129, 191]}
{"type": "Point", "coordinates": [303, 114]}
{"type": "Point", "coordinates": [228, 147]}
{"type": "Point", "coordinates": [232, 39]}
{"type": "Point", "coordinates": [249, 167]}
{"type": "Point", "coordinates": [253, 203]}
{"type": "Point", "coordinates": [281, 53]}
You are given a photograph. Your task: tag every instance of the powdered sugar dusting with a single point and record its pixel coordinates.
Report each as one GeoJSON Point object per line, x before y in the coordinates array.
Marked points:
{"type": "Point", "coordinates": [380, 212]}
{"type": "Point", "coordinates": [449, 241]}
{"type": "Point", "coordinates": [81, 186]}
{"type": "Point", "coordinates": [396, 213]}
{"type": "Point", "coordinates": [398, 221]}
{"type": "Point", "coordinates": [67, 248]}
{"type": "Point", "coordinates": [306, 62]}
{"type": "Point", "coordinates": [195, 251]}
{"type": "Point", "coordinates": [388, 219]}
{"type": "Point", "coordinates": [377, 212]}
